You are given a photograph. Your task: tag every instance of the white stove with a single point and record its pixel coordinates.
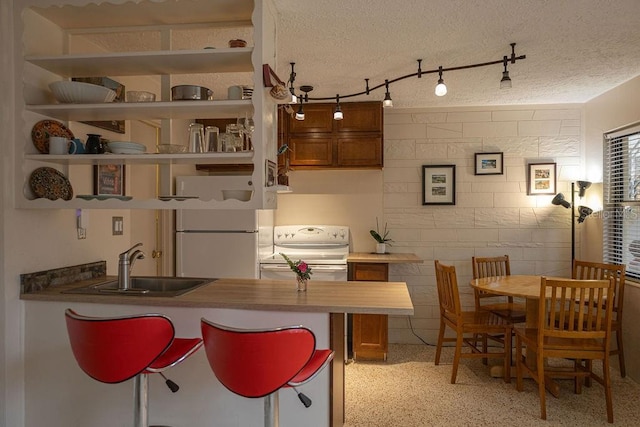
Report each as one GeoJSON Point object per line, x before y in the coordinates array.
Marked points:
{"type": "Point", "coordinates": [323, 247]}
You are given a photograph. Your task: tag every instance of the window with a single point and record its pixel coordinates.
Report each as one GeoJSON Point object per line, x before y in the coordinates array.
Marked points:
{"type": "Point", "coordinates": [621, 213]}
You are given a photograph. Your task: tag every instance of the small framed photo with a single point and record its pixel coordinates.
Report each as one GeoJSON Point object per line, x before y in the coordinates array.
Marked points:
{"type": "Point", "coordinates": [542, 179]}
{"type": "Point", "coordinates": [438, 184]}
{"type": "Point", "coordinates": [270, 174]}
{"type": "Point", "coordinates": [108, 180]}
{"type": "Point", "coordinates": [488, 164]}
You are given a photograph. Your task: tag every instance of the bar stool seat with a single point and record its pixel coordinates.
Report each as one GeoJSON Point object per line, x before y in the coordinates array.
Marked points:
{"type": "Point", "coordinates": [257, 363]}
{"type": "Point", "coordinates": [114, 349]}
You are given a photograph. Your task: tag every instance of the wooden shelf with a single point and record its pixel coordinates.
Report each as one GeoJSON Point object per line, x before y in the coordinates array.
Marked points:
{"type": "Point", "coordinates": [129, 159]}
{"type": "Point", "coordinates": [145, 110]}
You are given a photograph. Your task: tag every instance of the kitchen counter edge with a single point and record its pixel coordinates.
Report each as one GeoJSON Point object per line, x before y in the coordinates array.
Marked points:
{"type": "Point", "coordinates": [258, 294]}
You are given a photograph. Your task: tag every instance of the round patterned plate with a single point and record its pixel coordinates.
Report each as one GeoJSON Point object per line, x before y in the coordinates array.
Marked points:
{"type": "Point", "coordinates": [47, 128]}
{"type": "Point", "coordinates": [50, 183]}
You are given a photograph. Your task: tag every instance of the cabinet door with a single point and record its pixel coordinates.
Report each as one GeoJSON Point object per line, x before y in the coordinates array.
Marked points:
{"type": "Point", "coordinates": [311, 151]}
{"type": "Point", "coordinates": [317, 118]}
{"type": "Point", "coordinates": [361, 117]}
{"type": "Point", "coordinates": [360, 151]}
{"type": "Point", "coordinates": [370, 331]}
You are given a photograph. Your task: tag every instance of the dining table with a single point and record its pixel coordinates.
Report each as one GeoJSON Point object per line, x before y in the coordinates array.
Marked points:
{"type": "Point", "coordinates": [519, 286]}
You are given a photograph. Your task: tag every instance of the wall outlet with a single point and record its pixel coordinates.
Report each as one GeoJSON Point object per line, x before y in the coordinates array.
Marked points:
{"type": "Point", "coordinates": [117, 225]}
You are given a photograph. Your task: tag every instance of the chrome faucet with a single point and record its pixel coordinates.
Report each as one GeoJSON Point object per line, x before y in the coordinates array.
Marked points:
{"type": "Point", "coordinates": [125, 263]}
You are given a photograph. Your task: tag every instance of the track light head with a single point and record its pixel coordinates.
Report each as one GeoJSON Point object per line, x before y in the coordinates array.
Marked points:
{"type": "Point", "coordinates": [441, 88]}
{"type": "Point", "coordinates": [582, 187]}
{"type": "Point", "coordinates": [559, 200]}
{"type": "Point", "coordinates": [300, 113]}
{"type": "Point", "coordinates": [584, 212]}
{"type": "Point", "coordinates": [387, 102]}
{"type": "Point", "coordinates": [337, 113]}
{"type": "Point", "coordinates": [505, 83]}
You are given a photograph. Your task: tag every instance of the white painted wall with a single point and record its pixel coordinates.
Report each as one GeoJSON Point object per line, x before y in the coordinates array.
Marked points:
{"type": "Point", "coordinates": [614, 109]}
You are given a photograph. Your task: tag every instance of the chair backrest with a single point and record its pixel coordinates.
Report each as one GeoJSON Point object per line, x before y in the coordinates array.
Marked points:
{"type": "Point", "coordinates": [256, 363]}
{"type": "Point", "coordinates": [575, 309]}
{"type": "Point", "coordinates": [599, 271]}
{"type": "Point", "coordinates": [448, 294]}
{"type": "Point", "coordinates": [115, 349]}
{"type": "Point", "coordinates": [489, 267]}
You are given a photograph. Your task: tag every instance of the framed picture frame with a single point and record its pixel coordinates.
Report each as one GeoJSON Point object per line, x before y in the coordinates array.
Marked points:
{"type": "Point", "coordinates": [108, 180]}
{"type": "Point", "coordinates": [488, 164]}
{"type": "Point", "coordinates": [438, 184]}
{"type": "Point", "coordinates": [542, 179]}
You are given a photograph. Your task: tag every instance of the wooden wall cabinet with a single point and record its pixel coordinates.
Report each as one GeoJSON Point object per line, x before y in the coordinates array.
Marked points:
{"type": "Point", "coordinates": [319, 141]}
{"type": "Point", "coordinates": [370, 331]}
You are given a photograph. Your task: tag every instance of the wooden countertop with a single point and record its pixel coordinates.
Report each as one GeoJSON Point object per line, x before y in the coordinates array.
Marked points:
{"type": "Point", "coordinates": [254, 294]}
{"type": "Point", "coordinates": [388, 258]}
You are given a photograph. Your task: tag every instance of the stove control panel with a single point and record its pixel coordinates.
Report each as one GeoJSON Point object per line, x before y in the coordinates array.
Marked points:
{"type": "Point", "coordinates": [311, 234]}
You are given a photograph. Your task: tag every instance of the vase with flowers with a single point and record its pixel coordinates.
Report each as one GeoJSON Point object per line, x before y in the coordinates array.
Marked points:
{"type": "Point", "coordinates": [302, 270]}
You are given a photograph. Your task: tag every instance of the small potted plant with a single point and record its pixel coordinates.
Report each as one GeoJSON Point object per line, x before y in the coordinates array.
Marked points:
{"type": "Point", "coordinates": [382, 239]}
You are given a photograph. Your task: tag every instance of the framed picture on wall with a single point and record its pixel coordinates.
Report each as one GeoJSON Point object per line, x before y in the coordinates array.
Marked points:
{"type": "Point", "coordinates": [438, 184]}
{"type": "Point", "coordinates": [108, 180]}
{"type": "Point", "coordinates": [488, 164]}
{"type": "Point", "coordinates": [541, 179]}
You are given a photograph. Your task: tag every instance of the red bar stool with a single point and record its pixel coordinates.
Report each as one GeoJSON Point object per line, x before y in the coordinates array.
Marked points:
{"type": "Point", "coordinates": [115, 349]}
{"type": "Point", "coordinates": [258, 363]}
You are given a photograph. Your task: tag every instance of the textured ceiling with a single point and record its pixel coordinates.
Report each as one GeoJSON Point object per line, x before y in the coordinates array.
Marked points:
{"type": "Point", "coordinates": [575, 49]}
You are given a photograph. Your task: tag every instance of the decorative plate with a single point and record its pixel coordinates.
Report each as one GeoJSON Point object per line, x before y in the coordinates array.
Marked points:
{"type": "Point", "coordinates": [103, 197]}
{"type": "Point", "coordinates": [45, 129]}
{"type": "Point", "coordinates": [51, 184]}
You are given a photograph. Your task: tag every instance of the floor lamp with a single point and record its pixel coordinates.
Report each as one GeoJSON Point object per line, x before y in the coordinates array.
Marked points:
{"type": "Point", "coordinates": [583, 211]}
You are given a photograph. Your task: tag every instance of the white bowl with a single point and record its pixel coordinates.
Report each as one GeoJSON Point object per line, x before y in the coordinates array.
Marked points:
{"type": "Point", "coordinates": [242, 195]}
{"type": "Point", "coordinates": [70, 92]}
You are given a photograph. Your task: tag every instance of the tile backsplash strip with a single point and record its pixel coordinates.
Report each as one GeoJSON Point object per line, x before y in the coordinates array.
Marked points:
{"type": "Point", "coordinates": [32, 282]}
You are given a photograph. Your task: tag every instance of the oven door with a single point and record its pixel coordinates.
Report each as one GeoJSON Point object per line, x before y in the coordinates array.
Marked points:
{"type": "Point", "coordinates": [319, 272]}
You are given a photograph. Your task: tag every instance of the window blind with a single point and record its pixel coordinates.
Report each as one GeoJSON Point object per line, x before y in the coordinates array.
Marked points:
{"type": "Point", "coordinates": [621, 211]}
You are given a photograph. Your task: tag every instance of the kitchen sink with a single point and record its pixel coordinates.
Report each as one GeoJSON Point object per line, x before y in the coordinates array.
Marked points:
{"type": "Point", "coordinates": [151, 286]}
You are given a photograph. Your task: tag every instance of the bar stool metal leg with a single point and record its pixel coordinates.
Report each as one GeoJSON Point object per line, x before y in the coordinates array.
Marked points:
{"type": "Point", "coordinates": [271, 412]}
{"type": "Point", "coordinates": [141, 400]}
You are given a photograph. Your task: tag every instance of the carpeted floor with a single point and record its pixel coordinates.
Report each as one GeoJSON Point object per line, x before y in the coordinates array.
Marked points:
{"type": "Point", "coordinates": [409, 390]}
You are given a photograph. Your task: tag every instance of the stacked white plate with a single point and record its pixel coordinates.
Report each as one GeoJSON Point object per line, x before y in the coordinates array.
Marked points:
{"type": "Point", "coordinates": [126, 147]}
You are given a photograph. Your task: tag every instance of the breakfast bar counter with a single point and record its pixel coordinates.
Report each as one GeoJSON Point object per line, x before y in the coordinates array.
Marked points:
{"type": "Point", "coordinates": [243, 303]}
{"type": "Point", "coordinates": [259, 294]}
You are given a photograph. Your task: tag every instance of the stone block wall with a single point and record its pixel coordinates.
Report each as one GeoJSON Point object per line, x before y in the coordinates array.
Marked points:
{"type": "Point", "coordinates": [493, 214]}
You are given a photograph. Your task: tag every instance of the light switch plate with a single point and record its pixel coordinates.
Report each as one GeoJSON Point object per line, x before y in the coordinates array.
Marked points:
{"type": "Point", "coordinates": [117, 225]}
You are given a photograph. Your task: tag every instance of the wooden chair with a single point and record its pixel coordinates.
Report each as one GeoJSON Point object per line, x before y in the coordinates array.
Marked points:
{"type": "Point", "coordinates": [467, 323]}
{"type": "Point", "coordinates": [599, 271]}
{"type": "Point", "coordinates": [502, 306]}
{"type": "Point", "coordinates": [574, 323]}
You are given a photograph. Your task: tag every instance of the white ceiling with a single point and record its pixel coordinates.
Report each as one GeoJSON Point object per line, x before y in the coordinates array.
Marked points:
{"type": "Point", "coordinates": [575, 49]}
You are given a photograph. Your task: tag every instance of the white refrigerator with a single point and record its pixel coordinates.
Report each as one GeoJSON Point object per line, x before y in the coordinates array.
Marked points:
{"type": "Point", "coordinates": [220, 243]}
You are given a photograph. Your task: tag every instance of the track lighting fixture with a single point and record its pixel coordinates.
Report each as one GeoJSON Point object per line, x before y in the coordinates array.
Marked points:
{"type": "Point", "coordinates": [300, 113]}
{"type": "Point", "coordinates": [292, 78]}
{"type": "Point", "coordinates": [441, 88]}
{"type": "Point", "coordinates": [387, 103]}
{"type": "Point", "coordinates": [505, 83]}
{"type": "Point", "coordinates": [337, 114]}
{"type": "Point", "coordinates": [303, 98]}
{"type": "Point", "coordinates": [582, 187]}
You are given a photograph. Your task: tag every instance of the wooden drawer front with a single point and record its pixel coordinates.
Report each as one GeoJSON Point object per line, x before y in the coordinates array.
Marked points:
{"type": "Point", "coordinates": [317, 118]}
{"type": "Point", "coordinates": [370, 272]}
{"type": "Point", "coordinates": [361, 117]}
{"type": "Point", "coordinates": [360, 151]}
{"type": "Point", "coordinates": [311, 151]}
